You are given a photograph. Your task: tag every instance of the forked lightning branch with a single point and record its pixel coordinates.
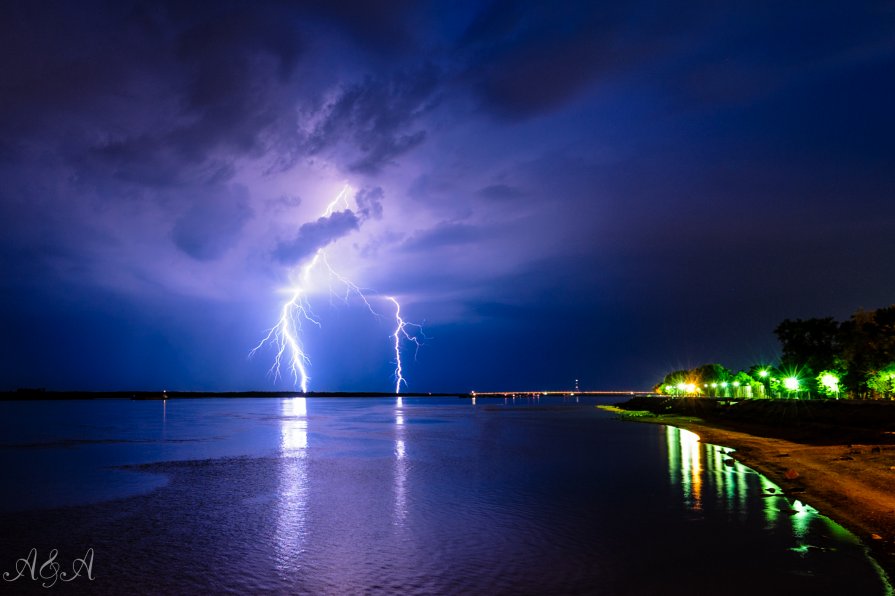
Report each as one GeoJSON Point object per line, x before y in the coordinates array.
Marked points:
{"type": "Point", "coordinates": [286, 337]}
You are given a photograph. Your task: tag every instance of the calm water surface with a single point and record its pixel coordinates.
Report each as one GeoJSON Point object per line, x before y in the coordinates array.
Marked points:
{"type": "Point", "coordinates": [424, 496]}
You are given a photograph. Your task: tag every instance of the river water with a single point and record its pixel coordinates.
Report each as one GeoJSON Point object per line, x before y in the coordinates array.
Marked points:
{"type": "Point", "coordinates": [412, 496]}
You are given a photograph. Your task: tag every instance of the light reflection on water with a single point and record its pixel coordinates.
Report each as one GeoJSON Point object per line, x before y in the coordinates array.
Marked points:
{"type": "Point", "coordinates": [690, 462]}
{"type": "Point", "coordinates": [685, 464]}
{"type": "Point", "coordinates": [400, 464]}
{"type": "Point", "coordinates": [293, 493]}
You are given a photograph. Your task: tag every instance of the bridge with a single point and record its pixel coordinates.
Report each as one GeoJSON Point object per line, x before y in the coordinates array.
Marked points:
{"type": "Point", "coordinates": [569, 393]}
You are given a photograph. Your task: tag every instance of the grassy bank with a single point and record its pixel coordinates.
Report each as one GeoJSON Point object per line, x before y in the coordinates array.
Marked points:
{"type": "Point", "coordinates": [817, 422]}
{"type": "Point", "coordinates": [837, 456]}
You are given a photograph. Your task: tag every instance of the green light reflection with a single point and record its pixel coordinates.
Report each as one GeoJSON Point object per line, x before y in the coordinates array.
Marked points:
{"type": "Point", "coordinates": [694, 467]}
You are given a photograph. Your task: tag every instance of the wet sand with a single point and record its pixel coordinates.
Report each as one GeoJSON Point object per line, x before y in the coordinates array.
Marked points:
{"type": "Point", "coordinates": [853, 484]}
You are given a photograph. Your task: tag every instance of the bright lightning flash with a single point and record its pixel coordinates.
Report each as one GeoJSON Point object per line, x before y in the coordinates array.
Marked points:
{"type": "Point", "coordinates": [285, 335]}
{"type": "Point", "coordinates": [401, 331]}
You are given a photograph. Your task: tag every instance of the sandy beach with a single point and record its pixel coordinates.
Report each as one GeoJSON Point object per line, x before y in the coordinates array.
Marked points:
{"type": "Point", "coordinates": [853, 484]}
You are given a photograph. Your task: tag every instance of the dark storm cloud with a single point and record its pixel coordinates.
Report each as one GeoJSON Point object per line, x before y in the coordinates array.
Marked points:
{"type": "Point", "coordinates": [443, 234]}
{"type": "Point", "coordinates": [523, 59]}
{"type": "Point", "coordinates": [369, 202]}
{"type": "Point", "coordinates": [501, 192]}
{"type": "Point", "coordinates": [212, 223]}
{"type": "Point", "coordinates": [168, 93]}
{"type": "Point", "coordinates": [526, 58]}
{"type": "Point", "coordinates": [229, 73]}
{"type": "Point", "coordinates": [107, 103]}
{"type": "Point", "coordinates": [325, 230]}
{"type": "Point", "coordinates": [315, 235]}
{"type": "Point", "coordinates": [164, 84]}
{"type": "Point", "coordinates": [379, 116]}
{"type": "Point", "coordinates": [381, 30]}
{"type": "Point", "coordinates": [284, 202]}
{"type": "Point", "coordinates": [747, 53]}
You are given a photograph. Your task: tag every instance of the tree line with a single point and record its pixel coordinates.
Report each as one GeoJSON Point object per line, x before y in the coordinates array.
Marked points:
{"type": "Point", "coordinates": [820, 357]}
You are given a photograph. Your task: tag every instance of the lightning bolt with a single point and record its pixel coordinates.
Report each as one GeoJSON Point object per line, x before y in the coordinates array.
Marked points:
{"type": "Point", "coordinates": [401, 331]}
{"type": "Point", "coordinates": [350, 286]}
{"type": "Point", "coordinates": [341, 198]}
{"type": "Point", "coordinates": [285, 335]}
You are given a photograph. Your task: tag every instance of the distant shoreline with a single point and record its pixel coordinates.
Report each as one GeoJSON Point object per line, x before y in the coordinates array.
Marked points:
{"type": "Point", "coordinates": [852, 482]}
{"type": "Point", "coordinates": [40, 394]}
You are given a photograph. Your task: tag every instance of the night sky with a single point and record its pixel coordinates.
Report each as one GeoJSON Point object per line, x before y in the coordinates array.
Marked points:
{"type": "Point", "coordinates": [601, 191]}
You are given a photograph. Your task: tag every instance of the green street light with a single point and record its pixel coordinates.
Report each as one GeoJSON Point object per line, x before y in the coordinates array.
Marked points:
{"type": "Point", "coordinates": [765, 383]}
{"type": "Point", "coordinates": [791, 384]}
{"type": "Point", "coordinates": [831, 382]}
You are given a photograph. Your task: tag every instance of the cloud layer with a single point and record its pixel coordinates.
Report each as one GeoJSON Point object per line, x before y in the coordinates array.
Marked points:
{"type": "Point", "coordinates": [636, 187]}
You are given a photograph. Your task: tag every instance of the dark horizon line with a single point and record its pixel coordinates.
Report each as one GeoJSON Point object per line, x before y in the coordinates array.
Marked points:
{"type": "Point", "coordinates": [50, 395]}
